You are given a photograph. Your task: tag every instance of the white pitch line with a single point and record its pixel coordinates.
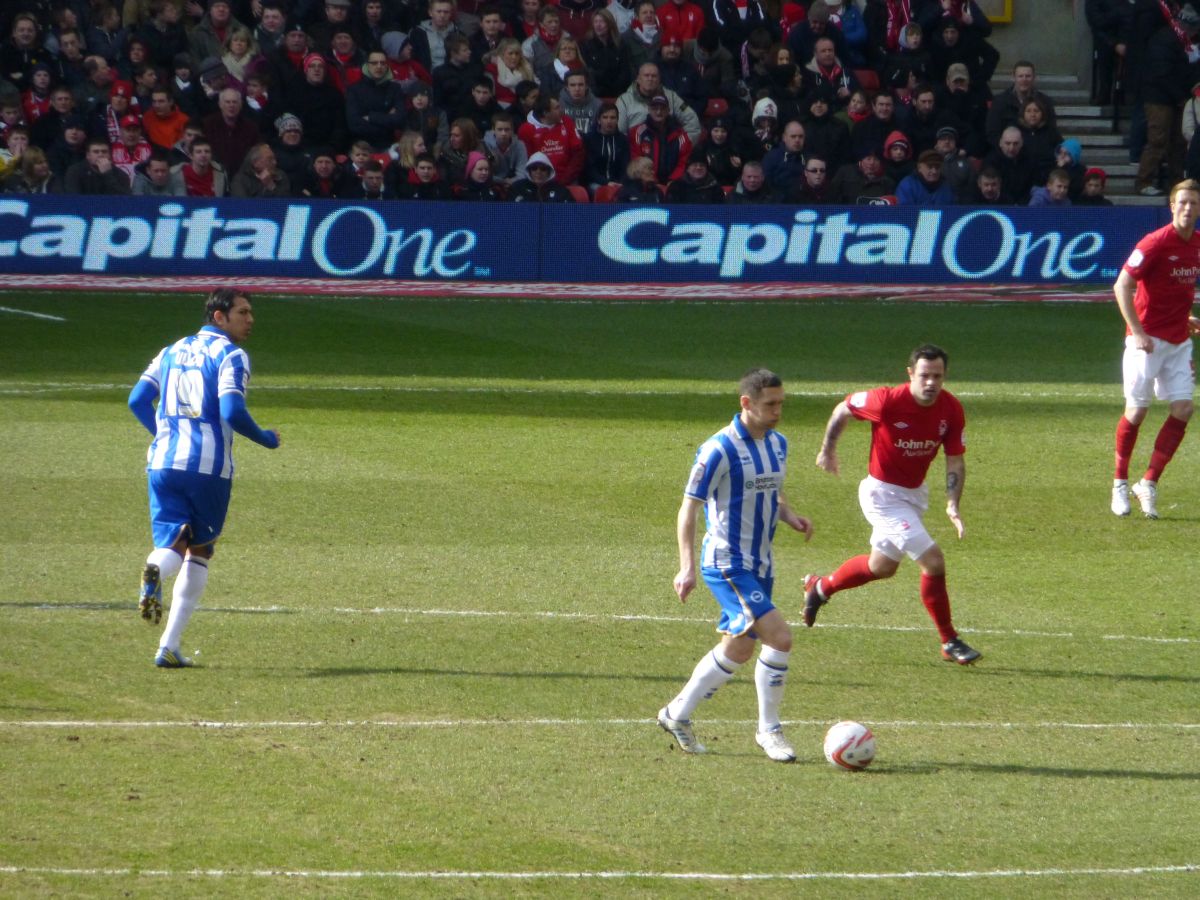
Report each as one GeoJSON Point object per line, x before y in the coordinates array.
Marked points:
{"type": "Point", "coordinates": [31, 314]}
{"type": "Point", "coordinates": [617, 617]}
{"type": "Point", "coordinates": [421, 724]}
{"type": "Point", "coordinates": [335, 874]}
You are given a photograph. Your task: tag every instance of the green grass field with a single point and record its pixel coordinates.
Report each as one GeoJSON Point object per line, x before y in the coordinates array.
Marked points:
{"type": "Point", "coordinates": [440, 621]}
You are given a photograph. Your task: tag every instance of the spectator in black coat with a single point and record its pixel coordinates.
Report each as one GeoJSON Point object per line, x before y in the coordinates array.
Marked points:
{"type": "Point", "coordinates": [606, 149]}
{"type": "Point", "coordinates": [375, 104]}
{"type": "Point", "coordinates": [697, 184]}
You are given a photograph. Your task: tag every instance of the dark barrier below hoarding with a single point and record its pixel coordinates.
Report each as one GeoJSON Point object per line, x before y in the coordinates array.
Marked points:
{"type": "Point", "coordinates": [50, 234]}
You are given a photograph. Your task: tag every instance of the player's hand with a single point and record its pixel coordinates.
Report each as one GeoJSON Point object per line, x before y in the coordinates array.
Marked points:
{"type": "Point", "coordinates": [1144, 342]}
{"type": "Point", "coordinates": [827, 460]}
{"type": "Point", "coordinates": [955, 518]}
{"type": "Point", "coordinates": [803, 525]}
{"type": "Point", "coordinates": [1193, 325]}
{"type": "Point", "coordinates": [684, 582]}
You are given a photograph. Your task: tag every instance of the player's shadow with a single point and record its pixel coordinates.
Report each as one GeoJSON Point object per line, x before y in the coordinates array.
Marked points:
{"type": "Point", "coordinates": [360, 671]}
{"type": "Point", "coordinates": [933, 767]}
{"type": "Point", "coordinates": [1158, 678]}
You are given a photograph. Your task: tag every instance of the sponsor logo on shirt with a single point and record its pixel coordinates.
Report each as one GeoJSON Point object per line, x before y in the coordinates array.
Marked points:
{"type": "Point", "coordinates": [770, 482]}
{"type": "Point", "coordinates": [1186, 273]}
{"type": "Point", "coordinates": [917, 448]}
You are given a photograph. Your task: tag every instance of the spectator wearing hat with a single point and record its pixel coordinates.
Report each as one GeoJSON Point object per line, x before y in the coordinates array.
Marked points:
{"type": "Point", "coordinates": [764, 136]}
{"type": "Point", "coordinates": [478, 184]}
{"type": "Point", "coordinates": [35, 99]}
{"type": "Point", "coordinates": [346, 60]}
{"type": "Point", "coordinates": [947, 48]}
{"type": "Point", "coordinates": [231, 131]}
{"type": "Point", "coordinates": [289, 146]}
{"type": "Point", "coordinates": [1166, 79]}
{"type": "Point", "coordinates": [812, 187]}
{"type": "Point", "coordinates": [287, 61]}
{"type": "Point", "coordinates": [212, 78]}
{"type": "Point", "coordinates": [334, 17]}
{"type": "Point", "coordinates": [697, 184]}
{"type": "Point", "coordinates": [153, 177]}
{"type": "Point", "coordinates": [201, 175]}
{"type": "Point", "coordinates": [678, 74]}
{"type": "Point", "coordinates": [1068, 156]}
{"type": "Point", "coordinates": [551, 133]}
{"type": "Point", "coordinates": [163, 122]}
{"type": "Point", "coordinates": [925, 186]}
{"type": "Point", "coordinates": [95, 173]}
{"type": "Point", "coordinates": [752, 188]}
{"type": "Point", "coordinates": [633, 106]}
{"type": "Point", "coordinates": [131, 149]}
{"type": "Point", "coordinates": [375, 105]}
{"type": "Point", "coordinates": [260, 176]}
{"type": "Point", "coordinates": [70, 146]}
{"type": "Point", "coordinates": [957, 170]}
{"type": "Point", "coordinates": [825, 135]}
{"type": "Point", "coordinates": [662, 139]}
{"type": "Point", "coordinates": [722, 150]}
{"type": "Point", "coordinates": [319, 106]}
{"type": "Point", "coordinates": [323, 180]}
{"type": "Point", "coordinates": [873, 131]}
{"type": "Point", "coordinates": [163, 34]}
{"type": "Point", "coordinates": [862, 182]}
{"type": "Point", "coordinates": [966, 108]}
{"type": "Point", "coordinates": [804, 36]}
{"type": "Point", "coordinates": [644, 36]}
{"type": "Point", "coordinates": [209, 36]}
{"type": "Point", "coordinates": [784, 164]}
{"type": "Point", "coordinates": [539, 184]}
{"type": "Point", "coordinates": [715, 65]}
{"type": "Point", "coordinates": [897, 156]}
{"type": "Point", "coordinates": [185, 88]}
{"type": "Point", "coordinates": [1094, 180]}
{"type": "Point", "coordinates": [106, 121]}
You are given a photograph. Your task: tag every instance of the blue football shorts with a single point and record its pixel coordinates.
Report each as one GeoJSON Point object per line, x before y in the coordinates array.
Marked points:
{"type": "Point", "coordinates": [742, 596]}
{"type": "Point", "coordinates": [182, 501]}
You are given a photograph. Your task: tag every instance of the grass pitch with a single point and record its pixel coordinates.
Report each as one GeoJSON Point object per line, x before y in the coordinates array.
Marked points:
{"type": "Point", "coordinates": [440, 621]}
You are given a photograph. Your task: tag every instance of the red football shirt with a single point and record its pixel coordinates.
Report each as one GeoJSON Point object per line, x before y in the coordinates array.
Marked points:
{"type": "Point", "coordinates": [1165, 267]}
{"type": "Point", "coordinates": [905, 436]}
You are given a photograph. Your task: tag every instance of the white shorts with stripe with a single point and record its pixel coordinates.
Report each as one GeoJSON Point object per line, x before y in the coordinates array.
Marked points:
{"type": "Point", "coordinates": [896, 516]}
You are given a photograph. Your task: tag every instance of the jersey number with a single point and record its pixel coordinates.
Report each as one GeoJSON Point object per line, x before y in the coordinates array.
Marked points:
{"type": "Point", "coordinates": [184, 396]}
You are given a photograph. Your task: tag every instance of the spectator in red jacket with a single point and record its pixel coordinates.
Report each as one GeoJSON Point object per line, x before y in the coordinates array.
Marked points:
{"type": "Point", "coordinates": [681, 18]}
{"type": "Point", "coordinates": [661, 138]}
{"type": "Point", "coordinates": [547, 130]}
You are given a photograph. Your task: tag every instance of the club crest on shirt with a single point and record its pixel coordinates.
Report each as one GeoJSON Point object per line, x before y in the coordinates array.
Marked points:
{"type": "Point", "coordinates": [943, 427]}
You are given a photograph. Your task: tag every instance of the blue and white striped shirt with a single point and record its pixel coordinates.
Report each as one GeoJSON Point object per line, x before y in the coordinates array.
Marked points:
{"type": "Point", "coordinates": [190, 377]}
{"type": "Point", "coordinates": [739, 479]}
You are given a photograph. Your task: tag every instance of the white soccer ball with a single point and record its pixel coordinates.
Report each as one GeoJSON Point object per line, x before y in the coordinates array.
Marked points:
{"type": "Point", "coordinates": [849, 745]}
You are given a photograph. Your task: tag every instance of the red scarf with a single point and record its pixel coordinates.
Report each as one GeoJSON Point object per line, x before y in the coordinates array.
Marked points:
{"type": "Point", "coordinates": [1182, 35]}
{"type": "Point", "coordinates": [547, 40]}
{"type": "Point", "coordinates": [832, 74]}
{"type": "Point", "coordinates": [857, 117]}
{"type": "Point", "coordinates": [899, 14]}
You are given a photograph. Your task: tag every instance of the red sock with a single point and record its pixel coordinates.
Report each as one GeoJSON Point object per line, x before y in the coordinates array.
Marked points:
{"type": "Point", "coordinates": [1127, 435]}
{"type": "Point", "coordinates": [1165, 445]}
{"type": "Point", "coordinates": [850, 574]}
{"type": "Point", "coordinates": [937, 603]}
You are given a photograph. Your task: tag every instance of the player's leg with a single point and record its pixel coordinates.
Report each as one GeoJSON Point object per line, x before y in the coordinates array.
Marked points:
{"type": "Point", "coordinates": [1175, 383]}
{"type": "Point", "coordinates": [770, 679]}
{"type": "Point", "coordinates": [209, 499]}
{"type": "Point", "coordinates": [936, 600]}
{"type": "Point", "coordinates": [717, 666]}
{"type": "Point", "coordinates": [169, 525]}
{"type": "Point", "coordinates": [1137, 371]}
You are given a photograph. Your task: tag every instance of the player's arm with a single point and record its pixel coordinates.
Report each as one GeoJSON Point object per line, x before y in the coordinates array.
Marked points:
{"type": "Point", "coordinates": [233, 411]}
{"type": "Point", "coordinates": [685, 533]}
{"type": "Point", "coordinates": [792, 520]}
{"type": "Point", "coordinates": [1125, 289]}
{"type": "Point", "coordinates": [142, 400]}
{"type": "Point", "coordinates": [827, 455]}
{"type": "Point", "coordinates": [956, 476]}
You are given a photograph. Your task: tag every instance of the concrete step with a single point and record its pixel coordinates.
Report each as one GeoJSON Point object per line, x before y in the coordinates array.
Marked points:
{"type": "Point", "coordinates": [1135, 200]}
{"type": "Point", "coordinates": [1109, 140]}
{"type": "Point", "coordinates": [1075, 127]}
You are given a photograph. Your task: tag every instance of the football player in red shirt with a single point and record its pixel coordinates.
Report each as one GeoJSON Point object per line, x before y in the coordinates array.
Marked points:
{"type": "Point", "coordinates": [1155, 291]}
{"type": "Point", "coordinates": [909, 423]}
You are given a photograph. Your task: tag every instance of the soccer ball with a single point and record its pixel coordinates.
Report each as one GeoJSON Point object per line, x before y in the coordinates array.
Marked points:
{"type": "Point", "coordinates": [849, 745]}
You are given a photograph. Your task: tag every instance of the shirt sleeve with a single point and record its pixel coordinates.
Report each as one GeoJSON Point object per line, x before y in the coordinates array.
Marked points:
{"type": "Point", "coordinates": [1141, 257]}
{"type": "Point", "coordinates": [867, 405]}
{"type": "Point", "coordinates": [152, 371]}
{"type": "Point", "coordinates": [706, 471]}
{"type": "Point", "coordinates": [233, 374]}
{"type": "Point", "coordinates": [955, 442]}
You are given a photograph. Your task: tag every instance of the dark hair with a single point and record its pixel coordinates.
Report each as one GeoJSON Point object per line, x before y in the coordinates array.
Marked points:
{"type": "Point", "coordinates": [928, 351]}
{"type": "Point", "coordinates": [756, 380]}
{"type": "Point", "coordinates": [222, 300]}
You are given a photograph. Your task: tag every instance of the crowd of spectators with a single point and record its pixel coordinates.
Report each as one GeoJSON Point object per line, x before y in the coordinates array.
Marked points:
{"type": "Point", "coordinates": [740, 101]}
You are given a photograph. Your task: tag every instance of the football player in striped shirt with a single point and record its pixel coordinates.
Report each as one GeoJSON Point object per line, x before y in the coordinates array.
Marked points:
{"type": "Point", "coordinates": [192, 398]}
{"type": "Point", "coordinates": [737, 478]}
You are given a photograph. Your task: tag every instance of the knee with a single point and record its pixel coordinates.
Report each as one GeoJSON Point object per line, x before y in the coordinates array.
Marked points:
{"type": "Point", "coordinates": [1135, 415]}
{"type": "Point", "coordinates": [782, 641]}
{"type": "Point", "coordinates": [933, 562]}
{"type": "Point", "coordinates": [883, 566]}
{"type": "Point", "coordinates": [1182, 410]}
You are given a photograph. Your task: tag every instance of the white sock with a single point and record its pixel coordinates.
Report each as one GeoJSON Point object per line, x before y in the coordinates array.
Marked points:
{"type": "Point", "coordinates": [713, 670]}
{"type": "Point", "coordinates": [186, 595]}
{"type": "Point", "coordinates": [167, 560]}
{"type": "Point", "coordinates": [770, 673]}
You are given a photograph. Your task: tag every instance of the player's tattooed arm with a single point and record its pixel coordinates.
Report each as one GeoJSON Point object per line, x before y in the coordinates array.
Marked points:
{"type": "Point", "coordinates": [956, 475]}
{"type": "Point", "coordinates": [827, 455]}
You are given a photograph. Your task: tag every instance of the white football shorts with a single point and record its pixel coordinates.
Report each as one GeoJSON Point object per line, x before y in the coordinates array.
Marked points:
{"type": "Point", "coordinates": [896, 517]}
{"type": "Point", "coordinates": [1166, 373]}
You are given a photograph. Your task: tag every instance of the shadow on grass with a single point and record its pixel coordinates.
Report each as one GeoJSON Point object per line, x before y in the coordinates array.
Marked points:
{"type": "Point", "coordinates": [131, 606]}
{"type": "Point", "coordinates": [934, 768]}
{"type": "Point", "coordinates": [359, 671]}
{"type": "Point", "coordinates": [1162, 678]}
